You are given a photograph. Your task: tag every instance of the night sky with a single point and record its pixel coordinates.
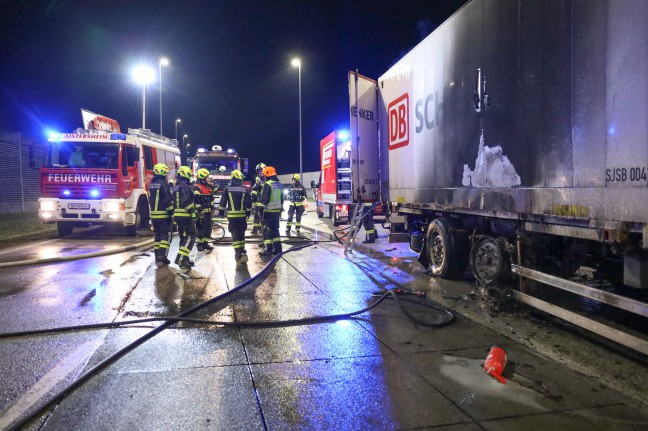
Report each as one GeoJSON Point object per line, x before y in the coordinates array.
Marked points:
{"type": "Point", "coordinates": [230, 78]}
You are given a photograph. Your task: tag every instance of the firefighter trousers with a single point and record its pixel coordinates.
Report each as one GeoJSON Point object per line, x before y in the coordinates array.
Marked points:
{"type": "Point", "coordinates": [297, 210]}
{"type": "Point", "coordinates": [237, 227]}
{"type": "Point", "coordinates": [187, 234]}
{"type": "Point", "coordinates": [204, 228]}
{"type": "Point", "coordinates": [271, 237]}
{"type": "Point", "coordinates": [162, 235]}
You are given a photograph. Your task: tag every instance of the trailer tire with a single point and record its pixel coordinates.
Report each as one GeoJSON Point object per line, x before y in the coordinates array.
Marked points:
{"type": "Point", "coordinates": [445, 250]}
{"type": "Point", "coordinates": [64, 228]}
{"type": "Point", "coordinates": [488, 260]}
{"type": "Point", "coordinates": [334, 217]}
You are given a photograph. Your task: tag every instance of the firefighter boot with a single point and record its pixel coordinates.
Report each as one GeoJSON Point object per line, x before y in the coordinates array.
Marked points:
{"type": "Point", "coordinates": [160, 256]}
{"type": "Point", "coordinates": [206, 246]}
{"type": "Point", "coordinates": [185, 263]}
{"type": "Point", "coordinates": [266, 251]}
{"type": "Point", "coordinates": [200, 246]}
{"type": "Point", "coordinates": [369, 239]}
{"type": "Point", "coordinates": [178, 259]}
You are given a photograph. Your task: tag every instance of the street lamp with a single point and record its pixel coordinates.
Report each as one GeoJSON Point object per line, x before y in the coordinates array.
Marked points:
{"type": "Point", "coordinates": [163, 62]}
{"type": "Point", "coordinates": [143, 75]}
{"type": "Point", "coordinates": [176, 124]}
{"type": "Point", "coordinates": [296, 62]}
{"type": "Point", "coordinates": [183, 156]}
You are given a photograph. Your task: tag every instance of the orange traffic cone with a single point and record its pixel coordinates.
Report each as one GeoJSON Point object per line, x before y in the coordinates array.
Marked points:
{"type": "Point", "coordinates": [495, 363]}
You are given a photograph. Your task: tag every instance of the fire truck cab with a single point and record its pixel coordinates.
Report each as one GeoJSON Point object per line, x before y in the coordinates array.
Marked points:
{"type": "Point", "coordinates": [101, 177]}
{"type": "Point", "coordinates": [220, 164]}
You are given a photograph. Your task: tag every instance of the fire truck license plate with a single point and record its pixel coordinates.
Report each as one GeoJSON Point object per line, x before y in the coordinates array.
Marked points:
{"type": "Point", "coordinates": [79, 206]}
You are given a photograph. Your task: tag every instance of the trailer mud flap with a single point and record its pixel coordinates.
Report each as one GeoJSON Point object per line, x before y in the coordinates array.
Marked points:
{"type": "Point", "coordinates": [424, 256]}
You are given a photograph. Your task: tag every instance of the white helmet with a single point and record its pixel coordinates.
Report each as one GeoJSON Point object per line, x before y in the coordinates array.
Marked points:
{"type": "Point", "coordinates": [222, 169]}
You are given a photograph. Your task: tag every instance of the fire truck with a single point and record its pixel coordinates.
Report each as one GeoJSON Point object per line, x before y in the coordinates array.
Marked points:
{"type": "Point", "coordinates": [101, 176]}
{"type": "Point", "coordinates": [220, 164]}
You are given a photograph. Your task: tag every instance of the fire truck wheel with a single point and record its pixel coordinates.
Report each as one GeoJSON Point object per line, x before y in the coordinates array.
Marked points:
{"type": "Point", "coordinates": [140, 218]}
{"type": "Point", "coordinates": [319, 213]}
{"type": "Point", "coordinates": [64, 228]}
{"type": "Point", "coordinates": [446, 253]}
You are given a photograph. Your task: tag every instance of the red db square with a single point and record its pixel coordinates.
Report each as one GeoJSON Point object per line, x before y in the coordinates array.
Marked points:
{"type": "Point", "coordinates": [398, 114]}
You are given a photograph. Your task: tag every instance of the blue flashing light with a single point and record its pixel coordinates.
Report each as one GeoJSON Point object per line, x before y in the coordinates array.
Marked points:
{"type": "Point", "coordinates": [201, 150]}
{"type": "Point", "coordinates": [66, 192]}
{"type": "Point", "coordinates": [343, 135]}
{"type": "Point", "coordinates": [229, 150]}
{"type": "Point", "coordinates": [94, 193]}
{"type": "Point", "coordinates": [612, 130]}
{"type": "Point", "coordinates": [117, 136]}
{"type": "Point", "coordinates": [53, 136]}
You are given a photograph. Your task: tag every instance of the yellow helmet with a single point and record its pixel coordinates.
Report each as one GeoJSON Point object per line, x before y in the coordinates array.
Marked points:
{"type": "Point", "coordinates": [202, 173]}
{"type": "Point", "coordinates": [161, 169]}
{"type": "Point", "coordinates": [296, 177]}
{"type": "Point", "coordinates": [185, 171]}
{"type": "Point", "coordinates": [237, 174]}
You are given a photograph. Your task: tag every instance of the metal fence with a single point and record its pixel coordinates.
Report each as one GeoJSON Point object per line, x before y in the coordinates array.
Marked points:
{"type": "Point", "coordinates": [20, 183]}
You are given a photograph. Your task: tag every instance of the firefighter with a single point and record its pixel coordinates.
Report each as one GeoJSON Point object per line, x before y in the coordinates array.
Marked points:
{"type": "Point", "coordinates": [367, 222]}
{"type": "Point", "coordinates": [256, 189]}
{"type": "Point", "coordinates": [297, 194]}
{"type": "Point", "coordinates": [238, 202]}
{"type": "Point", "coordinates": [204, 198]}
{"type": "Point", "coordinates": [161, 209]}
{"type": "Point", "coordinates": [184, 214]}
{"type": "Point", "coordinates": [271, 202]}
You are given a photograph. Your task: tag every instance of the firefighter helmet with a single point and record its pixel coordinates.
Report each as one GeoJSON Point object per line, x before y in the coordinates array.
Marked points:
{"type": "Point", "coordinates": [269, 171]}
{"type": "Point", "coordinates": [160, 169]}
{"type": "Point", "coordinates": [202, 173]}
{"type": "Point", "coordinates": [259, 168]}
{"type": "Point", "coordinates": [237, 174]}
{"type": "Point", "coordinates": [296, 177]}
{"type": "Point", "coordinates": [222, 169]}
{"type": "Point", "coordinates": [185, 171]}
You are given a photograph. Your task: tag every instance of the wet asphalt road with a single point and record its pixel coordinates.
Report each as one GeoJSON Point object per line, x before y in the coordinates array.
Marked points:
{"type": "Point", "coordinates": [379, 372]}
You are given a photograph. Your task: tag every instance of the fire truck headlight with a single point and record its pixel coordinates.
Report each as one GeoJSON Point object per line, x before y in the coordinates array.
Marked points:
{"type": "Point", "coordinates": [48, 205]}
{"type": "Point", "coordinates": [114, 206]}
{"type": "Point", "coordinates": [46, 215]}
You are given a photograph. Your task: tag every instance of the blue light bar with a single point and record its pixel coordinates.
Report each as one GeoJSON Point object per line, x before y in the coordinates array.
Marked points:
{"type": "Point", "coordinates": [117, 136]}
{"type": "Point", "coordinates": [343, 135]}
{"type": "Point", "coordinates": [66, 192]}
{"type": "Point", "coordinates": [229, 150]}
{"type": "Point", "coordinates": [53, 136]}
{"type": "Point", "coordinates": [94, 193]}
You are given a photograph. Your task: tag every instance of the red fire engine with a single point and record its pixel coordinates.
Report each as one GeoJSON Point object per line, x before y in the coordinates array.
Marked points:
{"type": "Point", "coordinates": [101, 176]}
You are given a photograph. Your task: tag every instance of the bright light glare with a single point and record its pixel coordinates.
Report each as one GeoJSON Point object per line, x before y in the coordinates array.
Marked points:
{"type": "Point", "coordinates": [94, 193]}
{"type": "Point", "coordinates": [111, 206]}
{"type": "Point", "coordinates": [48, 205]}
{"type": "Point", "coordinates": [53, 136]}
{"type": "Point", "coordinates": [164, 61]}
{"type": "Point", "coordinates": [343, 135]}
{"type": "Point", "coordinates": [143, 75]}
{"type": "Point", "coordinates": [296, 62]}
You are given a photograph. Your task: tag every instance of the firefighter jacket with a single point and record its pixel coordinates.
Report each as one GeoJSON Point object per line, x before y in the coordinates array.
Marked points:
{"type": "Point", "coordinates": [271, 199]}
{"type": "Point", "coordinates": [160, 198]}
{"type": "Point", "coordinates": [183, 199]}
{"type": "Point", "coordinates": [256, 189]}
{"type": "Point", "coordinates": [237, 198]}
{"type": "Point", "coordinates": [203, 197]}
{"type": "Point", "coordinates": [297, 194]}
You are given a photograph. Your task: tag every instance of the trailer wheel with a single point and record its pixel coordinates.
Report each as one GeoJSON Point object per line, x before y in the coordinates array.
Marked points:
{"type": "Point", "coordinates": [64, 228]}
{"type": "Point", "coordinates": [334, 217]}
{"type": "Point", "coordinates": [447, 256]}
{"type": "Point", "coordinates": [487, 260]}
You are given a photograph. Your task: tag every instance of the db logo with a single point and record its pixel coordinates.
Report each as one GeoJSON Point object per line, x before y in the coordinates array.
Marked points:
{"type": "Point", "coordinates": [398, 113]}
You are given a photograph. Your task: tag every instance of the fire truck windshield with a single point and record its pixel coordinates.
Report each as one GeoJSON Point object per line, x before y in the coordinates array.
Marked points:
{"type": "Point", "coordinates": [214, 165]}
{"type": "Point", "coordinates": [82, 155]}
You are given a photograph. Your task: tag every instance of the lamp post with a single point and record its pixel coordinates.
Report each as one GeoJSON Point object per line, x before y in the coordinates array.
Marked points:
{"type": "Point", "coordinates": [176, 124]}
{"type": "Point", "coordinates": [296, 62]}
{"type": "Point", "coordinates": [183, 156]}
{"type": "Point", "coordinates": [163, 62]}
{"type": "Point", "coordinates": [143, 75]}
